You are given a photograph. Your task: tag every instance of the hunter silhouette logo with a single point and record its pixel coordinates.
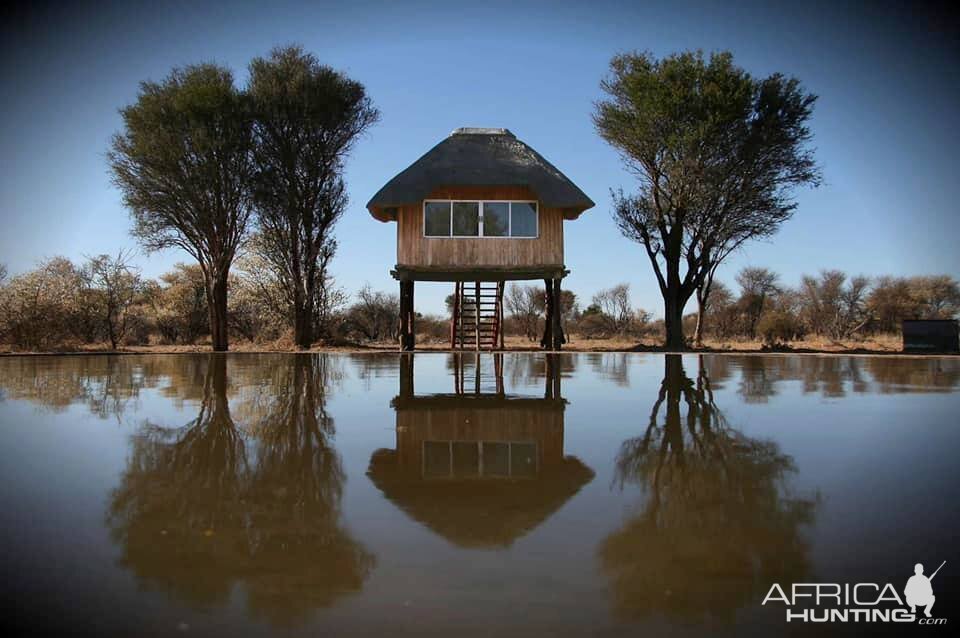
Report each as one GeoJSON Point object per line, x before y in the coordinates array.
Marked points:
{"type": "Point", "coordinates": [859, 602]}
{"type": "Point", "coordinates": [919, 591]}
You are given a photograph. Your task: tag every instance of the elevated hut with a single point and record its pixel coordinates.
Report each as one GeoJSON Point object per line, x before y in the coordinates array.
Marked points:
{"type": "Point", "coordinates": [479, 209]}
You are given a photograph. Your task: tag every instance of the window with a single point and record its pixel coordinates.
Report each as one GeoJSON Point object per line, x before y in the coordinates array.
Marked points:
{"type": "Point", "coordinates": [444, 218]}
{"type": "Point", "coordinates": [436, 219]}
{"type": "Point", "coordinates": [496, 219]}
{"type": "Point", "coordinates": [523, 219]}
{"type": "Point", "coordinates": [466, 219]}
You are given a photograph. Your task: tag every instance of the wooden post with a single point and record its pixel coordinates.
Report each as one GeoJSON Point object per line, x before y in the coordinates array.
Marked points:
{"type": "Point", "coordinates": [406, 375]}
{"type": "Point", "coordinates": [476, 313]}
{"type": "Point", "coordinates": [456, 313]}
{"type": "Point", "coordinates": [501, 287]}
{"type": "Point", "coordinates": [460, 313]}
{"type": "Point", "coordinates": [407, 339]}
{"type": "Point", "coordinates": [556, 330]}
{"type": "Point", "coordinates": [547, 341]}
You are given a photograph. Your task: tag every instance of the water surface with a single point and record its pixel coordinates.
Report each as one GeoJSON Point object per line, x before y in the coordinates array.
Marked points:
{"type": "Point", "coordinates": [515, 494]}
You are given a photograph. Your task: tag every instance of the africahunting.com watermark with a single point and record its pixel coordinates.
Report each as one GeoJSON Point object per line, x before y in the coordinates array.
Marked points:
{"type": "Point", "coordinates": [859, 602]}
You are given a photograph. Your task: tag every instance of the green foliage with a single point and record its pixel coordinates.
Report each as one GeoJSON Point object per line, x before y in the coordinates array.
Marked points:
{"type": "Point", "coordinates": [183, 163]}
{"type": "Point", "coordinates": [779, 327]}
{"type": "Point", "coordinates": [717, 154]}
{"type": "Point", "coordinates": [307, 117]}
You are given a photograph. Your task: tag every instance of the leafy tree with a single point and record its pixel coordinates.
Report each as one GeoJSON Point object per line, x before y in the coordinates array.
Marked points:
{"type": "Point", "coordinates": [717, 154]}
{"type": "Point", "coordinates": [938, 296]}
{"type": "Point", "coordinates": [308, 117]}
{"type": "Point", "coordinates": [183, 164]}
{"type": "Point", "coordinates": [180, 304]}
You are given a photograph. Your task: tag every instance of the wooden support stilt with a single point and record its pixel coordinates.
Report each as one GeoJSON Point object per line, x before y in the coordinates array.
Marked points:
{"type": "Point", "coordinates": [500, 292]}
{"type": "Point", "coordinates": [556, 331]}
{"type": "Point", "coordinates": [476, 313]}
{"type": "Point", "coordinates": [406, 375]}
{"type": "Point", "coordinates": [547, 341]}
{"type": "Point", "coordinates": [407, 338]}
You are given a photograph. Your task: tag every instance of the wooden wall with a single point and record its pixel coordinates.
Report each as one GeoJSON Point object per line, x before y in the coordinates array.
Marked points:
{"type": "Point", "coordinates": [413, 249]}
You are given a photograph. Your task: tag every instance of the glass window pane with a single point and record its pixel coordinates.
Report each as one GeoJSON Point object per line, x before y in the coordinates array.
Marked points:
{"type": "Point", "coordinates": [496, 219]}
{"type": "Point", "coordinates": [523, 222]}
{"type": "Point", "coordinates": [466, 219]}
{"type": "Point", "coordinates": [436, 458]}
{"type": "Point", "coordinates": [466, 458]}
{"type": "Point", "coordinates": [437, 219]}
{"type": "Point", "coordinates": [523, 459]}
{"type": "Point", "coordinates": [496, 459]}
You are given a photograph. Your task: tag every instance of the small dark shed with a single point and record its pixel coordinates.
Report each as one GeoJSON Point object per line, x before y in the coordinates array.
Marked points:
{"type": "Point", "coordinates": [931, 335]}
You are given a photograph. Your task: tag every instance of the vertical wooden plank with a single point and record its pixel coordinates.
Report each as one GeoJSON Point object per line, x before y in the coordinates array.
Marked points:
{"type": "Point", "coordinates": [556, 330]}
{"type": "Point", "coordinates": [547, 341]}
{"type": "Point", "coordinates": [476, 319]}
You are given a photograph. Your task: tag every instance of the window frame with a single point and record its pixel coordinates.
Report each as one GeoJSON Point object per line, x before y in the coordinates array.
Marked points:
{"type": "Point", "coordinates": [480, 203]}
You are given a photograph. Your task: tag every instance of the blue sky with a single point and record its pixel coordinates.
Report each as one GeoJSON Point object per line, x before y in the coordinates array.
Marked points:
{"type": "Point", "coordinates": [885, 127]}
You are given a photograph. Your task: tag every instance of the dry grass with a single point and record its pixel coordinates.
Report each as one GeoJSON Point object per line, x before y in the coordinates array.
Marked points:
{"type": "Point", "coordinates": [881, 345]}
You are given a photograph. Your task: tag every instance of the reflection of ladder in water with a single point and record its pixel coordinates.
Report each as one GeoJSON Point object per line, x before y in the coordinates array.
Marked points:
{"type": "Point", "coordinates": [482, 379]}
{"type": "Point", "coordinates": [477, 316]}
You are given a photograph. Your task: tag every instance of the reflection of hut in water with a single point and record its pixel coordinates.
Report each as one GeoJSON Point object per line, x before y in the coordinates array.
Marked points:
{"type": "Point", "coordinates": [479, 468]}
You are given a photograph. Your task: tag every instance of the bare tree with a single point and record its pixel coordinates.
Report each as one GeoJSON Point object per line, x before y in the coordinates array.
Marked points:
{"type": "Point", "coordinates": [525, 305]}
{"type": "Point", "coordinates": [374, 314]}
{"type": "Point", "coordinates": [614, 306]}
{"type": "Point", "coordinates": [836, 307]}
{"type": "Point", "coordinates": [757, 286]}
{"type": "Point", "coordinates": [119, 285]}
{"type": "Point", "coordinates": [183, 164]}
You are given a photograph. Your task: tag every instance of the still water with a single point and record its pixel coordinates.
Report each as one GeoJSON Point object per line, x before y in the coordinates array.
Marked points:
{"type": "Point", "coordinates": [456, 495]}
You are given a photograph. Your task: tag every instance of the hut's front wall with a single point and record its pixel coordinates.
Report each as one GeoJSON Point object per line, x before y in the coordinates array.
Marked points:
{"type": "Point", "coordinates": [415, 250]}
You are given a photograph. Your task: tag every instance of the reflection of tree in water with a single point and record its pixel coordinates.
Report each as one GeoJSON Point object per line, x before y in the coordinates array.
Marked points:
{"type": "Point", "coordinates": [197, 512]}
{"type": "Point", "coordinates": [902, 375]}
{"type": "Point", "coordinates": [612, 366]}
{"type": "Point", "coordinates": [105, 384]}
{"type": "Point", "coordinates": [837, 376]}
{"type": "Point", "coordinates": [717, 526]}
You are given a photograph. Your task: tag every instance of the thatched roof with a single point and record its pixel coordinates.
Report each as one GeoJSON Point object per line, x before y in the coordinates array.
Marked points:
{"type": "Point", "coordinates": [480, 157]}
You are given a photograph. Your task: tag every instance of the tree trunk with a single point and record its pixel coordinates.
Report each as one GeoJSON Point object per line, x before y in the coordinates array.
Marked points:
{"type": "Point", "coordinates": [673, 320]}
{"type": "Point", "coordinates": [217, 297]}
{"type": "Point", "coordinates": [701, 311]}
{"type": "Point", "coordinates": [302, 320]}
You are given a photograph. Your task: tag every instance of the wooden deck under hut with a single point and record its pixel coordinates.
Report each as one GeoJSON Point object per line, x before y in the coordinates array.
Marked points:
{"type": "Point", "coordinates": [479, 209]}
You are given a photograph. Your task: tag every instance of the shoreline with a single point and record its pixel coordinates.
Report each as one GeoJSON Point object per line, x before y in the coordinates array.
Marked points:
{"type": "Point", "coordinates": [438, 349]}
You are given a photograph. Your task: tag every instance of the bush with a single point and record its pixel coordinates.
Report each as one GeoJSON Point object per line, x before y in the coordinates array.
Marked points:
{"type": "Point", "coordinates": [778, 328]}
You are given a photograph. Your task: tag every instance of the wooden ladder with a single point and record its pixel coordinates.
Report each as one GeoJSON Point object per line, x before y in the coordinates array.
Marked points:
{"type": "Point", "coordinates": [477, 321]}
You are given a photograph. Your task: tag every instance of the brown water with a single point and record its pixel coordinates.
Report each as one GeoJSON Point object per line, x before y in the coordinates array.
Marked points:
{"type": "Point", "coordinates": [582, 494]}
